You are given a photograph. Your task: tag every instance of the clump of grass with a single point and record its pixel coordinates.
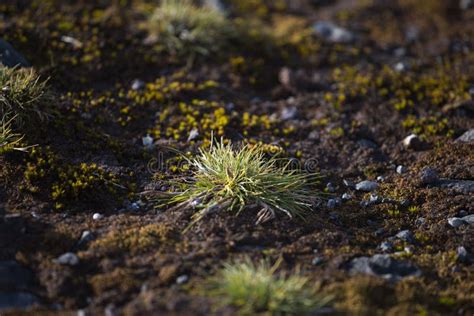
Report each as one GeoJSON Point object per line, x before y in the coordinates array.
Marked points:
{"type": "Point", "coordinates": [185, 29]}
{"type": "Point", "coordinates": [256, 288]}
{"type": "Point", "coordinates": [8, 139]}
{"type": "Point", "coordinates": [231, 179]}
{"type": "Point", "coordinates": [23, 100]}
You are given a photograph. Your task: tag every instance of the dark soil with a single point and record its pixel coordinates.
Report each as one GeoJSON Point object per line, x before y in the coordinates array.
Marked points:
{"type": "Point", "coordinates": [353, 110]}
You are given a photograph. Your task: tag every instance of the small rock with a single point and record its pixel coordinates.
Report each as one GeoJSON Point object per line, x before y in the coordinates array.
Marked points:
{"type": "Point", "coordinates": [346, 197]}
{"type": "Point", "coordinates": [405, 235]}
{"type": "Point", "coordinates": [466, 4]}
{"type": "Point", "coordinates": [182, 279]}
{"type": "Point", "coordinates": [331, 203]}
{"type": "Point", "coordinates": [138, 84]}
{"type": "Point", "coordinates": [367, 186]}
{"type": "Point", "coordinates": [97, 216]}
{"type": "Point", "coordinates": [467, 137]}
{"type": "Point", "coordinates": [74, 42]}
{"type": "Point", "coordinates": [147, 141]}
{"type": "Point", "coordinates": [461, 186]}
{"type": "Point", "coordinates": [386, 246]}
{"type": "Point", "coordinates": [367, 144]}
{"type": "Point", "coordinates": [469, 219]}
{"type": "Point", "coordinates": [86, 237]}
{"type": "Point", "coordinates": [401, 169]}
{"type": "Point", "coordinates": [413, 142]}
{"type": "Point", "coordinates": [317, 261]}
{"type": "Point", "coordinates": [68, 259]}
{"type": "Point", "coordinates": [333, 33]}
{"type": "Point", "coordinates": [330, 187]}
{"type": "Point", "coordinates": [420, 221]}
{"type": "Point", "coordinates": [462, 213]}
{"type": "Point", "coordinates": [400, 66]}
{"type": "Point", "coordinates": [379, 232]}
{"type": "Point", "coordinates": [380, 178]}
{"type": "Point", "coordinates": [10, 57]}
{"type": "Point", "coordinates": [462, 255]}
{"type": "Point", "coordinates": [455, 222]}
{"type": "Point", "coordinates": [17, 300]}
{"type": "Point", "coordinates": [288, 113]}
{"type": "Point", "coordinates": [428, 176]}
{"type": "Point", "coordinates": [382, 265]}
{"type": "Point", "coordinates": [193, 134]}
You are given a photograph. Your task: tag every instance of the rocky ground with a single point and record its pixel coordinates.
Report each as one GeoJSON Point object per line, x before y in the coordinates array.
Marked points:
{"type": "Point", "coordinates": [376, 96]}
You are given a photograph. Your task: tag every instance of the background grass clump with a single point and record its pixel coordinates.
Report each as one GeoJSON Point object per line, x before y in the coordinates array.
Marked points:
{"type": "Point", "coordinates": [24, 98]}
{"type": "Point", "coordinates": [258, 289]}
{"type": "Point", "coordinates": [225, 178]}
{"type": "Point", "coordinates": [184, 29]}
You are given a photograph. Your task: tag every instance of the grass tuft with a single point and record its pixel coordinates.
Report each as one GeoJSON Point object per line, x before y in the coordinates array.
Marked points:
{"type": "Point", "coordinates": [256, 288]}
{"type": "Point", "coordinates": [185, 29]}
{"type": "Point", "coordinates": [231, 179]}
{"type": "Point", "coordinates": [23, 100]}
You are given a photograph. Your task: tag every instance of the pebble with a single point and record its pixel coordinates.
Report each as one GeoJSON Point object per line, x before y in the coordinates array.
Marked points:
{"type": "Point", "coordinates": [455, 222]}
{"type": "Point", "coordinates": [330, 187]}
{"type": "Point", "coordinates": [405, 235]}
{"type": "Point", "coordinates": [380, 178]}
{"type": "Point", "coordinates": [384, 266]}
{"type": "Point", "coordinates": [469, 219]}
{"type": "Point", "coordinates": [182, 279]}
{"type": "Point", "coordinates": [68, 259]}
{"type": "Point", "coordinates": [288, 113]}
{"type": "Point", "coordinates": [86, 237]}
{"type": "Point", "coordinates": [147, 141]}
{"type": "Point", "coordinates": [346, 197]}
{"type": "Point", "coordinates": [466, 4]}
{"type": "Point", "coordinates": [462, 213]}
{"type": "Point", "coordinates": [462, 255]}
{"type": "Point", "coordinates": [97, 216]}
{"type": "Point", "coordinates": [367, 186]}
{"type": "Point", "coordinates": [467, 137]}
{"type": "Point", "coordinates": [10, 57]}
{"type": "Point", "coordinates": [386, 246]}
{"type": "Point", "coordinates": [428, 176]}
{"type": "Point", "coordinates": [331, 203]}
{"type": "Point", "coordinates": [138, 84]}
{"type": "Point", "coordinates": [333, 33]}
{"type": "Point", "coordinates": [420, 221]}
{"type": "Point", "coordinates": [317, 261]}
{"type": "Point", "coordinates": [401, 169]}
{"type": "Point", "coordinates": [413, 142]}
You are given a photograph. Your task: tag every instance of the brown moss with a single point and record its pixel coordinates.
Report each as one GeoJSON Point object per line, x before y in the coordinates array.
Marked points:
{"type": "Point", "coordinates": [120, 279]}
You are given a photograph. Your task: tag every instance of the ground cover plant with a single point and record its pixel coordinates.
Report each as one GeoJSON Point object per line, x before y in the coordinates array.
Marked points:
{"type": "Point", "coordinates": [226, 157]}
{"type": "Point", "coordinates": [228, 178]}
{"type": "Point", "coordinates": [256, 288]}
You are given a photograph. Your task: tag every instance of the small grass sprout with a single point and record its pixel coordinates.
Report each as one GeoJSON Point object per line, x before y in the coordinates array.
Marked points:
{"type": "Point", "coordinates": [231, 179]}
{"type": "Point", "coordinates": [185, 29]}
{"type": "Point", "coordinates": [258, 289]}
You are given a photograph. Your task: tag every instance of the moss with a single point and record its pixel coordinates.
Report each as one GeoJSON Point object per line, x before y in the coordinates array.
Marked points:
{"type": "Point", "coordinates": [135, 240]}
{"type": "Point", "coordinates": [120, 279]}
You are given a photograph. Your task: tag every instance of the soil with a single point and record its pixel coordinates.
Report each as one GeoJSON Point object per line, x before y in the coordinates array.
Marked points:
{"type": "Point", "coordinates": [408, 70]}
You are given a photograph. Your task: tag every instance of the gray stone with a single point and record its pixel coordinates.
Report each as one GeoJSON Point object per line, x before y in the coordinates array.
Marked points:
{"type": "Point", "coordinates": [68, 259]}
{"type": "Point", "coordinates": [14, 277]}
{"type": "Point", "coordinates": [317, 261]}
{"type": "Point", "coordinates": [86, 237]}
{"type": "Point", "coordinates": [462, 255]}
{"type": "Point", "coordinates": [455, 222]}
{"type": "Point", "coordinates": [469, 219]}
{"type": "Point", "coordinates": [10, 57]}
{"type": "Point", "coordinates": [138, 84]}
{"type": "Point", "coordinates": [401, 169]}
{"type": "Point", "coordinates": [331, 203]}
{"type": "Point", "coordinates": [406, 235]}
{"type": "Point", "coordinates": [367, 143]}
{"type": "Point", "coordinates": [380, 178]}
{"type": "Point", "coordinates": [428, 176]}
{"type": "Point", "coordinates": [386, 246]}
{"type": "Point", "coordinates": [382, 265]}
{"type": "Point", "coordinates": [413, 142]}
{"type": "Point", "coordinates": [333, 33]}
{"type": "Point", "coordinates": [367, 186]}
{"type": "Point", "coordinates": [182, 279]}
{"type": "Point", "coordinates": [346, 197]}
{"type": "Point", "coordinates": [97, 216]}
{"type": "Point", "coordinates": [467, 137]}
{"type": "Point", "coordinates": [461, 186]}
{"type": "Point", "coordinates": [288, 113]}
{"type": "Point", "coordinates": [420, 221]}
{"type": "Point", "coordinates": [17, 300]}
{"type": "Point", "coordinates": [330, 187]}
{"type": "Point", "coordinates": [466, 4]}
